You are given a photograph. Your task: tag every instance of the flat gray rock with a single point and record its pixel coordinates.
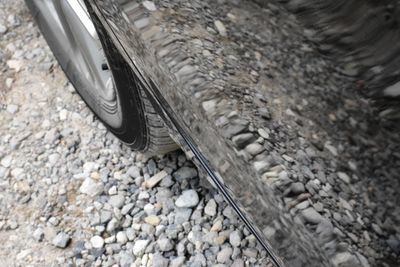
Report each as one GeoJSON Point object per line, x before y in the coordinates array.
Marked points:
{"type": "Point", "coordinates": [187, 199]}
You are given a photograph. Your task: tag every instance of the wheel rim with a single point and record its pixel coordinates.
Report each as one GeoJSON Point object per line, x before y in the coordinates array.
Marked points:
{"type": "Point", "coordinates": [75, 34]}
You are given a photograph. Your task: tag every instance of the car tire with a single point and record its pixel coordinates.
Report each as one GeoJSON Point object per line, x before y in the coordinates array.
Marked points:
{"type": "Point", "coordinates": [130, 116]}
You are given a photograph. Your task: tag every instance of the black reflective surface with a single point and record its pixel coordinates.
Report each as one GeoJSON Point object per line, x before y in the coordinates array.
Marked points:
{"type": "Point", "coordinates": [249, 93]}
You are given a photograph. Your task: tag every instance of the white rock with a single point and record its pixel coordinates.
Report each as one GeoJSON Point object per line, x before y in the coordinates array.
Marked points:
{"type": "Point", "coordinates": [11, 108]}
{"type": "Point", "coordinates": [3, 29]}
{"type": "Point", "coordinates": [122, 238]}
{"type": "Point", "coordinates": [97, 241]}
{"type": "Point", "coordinates": [143, 195]}
{"type": "Point", "coordinates": [149, 5]}
{"type": "Point", "coordinates": [9, 82]}
{"type": "Point", "coordinates": [139, 247]}
{"type": "Point", "coordinates": [211, 208]}
{"type": "Point", "coordinates": [112, 190]}
{"type": "Point", "coordinates": [220, 27]}
{"type": "Point", "coordinates": [235, 239]}
{"type": "Point", "coordinates": [38, 234]}
{"type": "Point", "coordinates": [91, 187]}
{"type": "Point", "coordinates": [188, 199]}
{"type": "Point", "coordinates": [344, 177]}
{"type": "Point", "coordinates": [15, 64]}
{"type": "Point", "coordinates": [263, 133]}
{"type": "Point", "coordinates": [63, 114]}
{"type": "Point", "coordinates": [165, 244]}
{"type": "Point", "coordinates": [89, 167]}
{"type": "Point", "coordinates": [6, 161]}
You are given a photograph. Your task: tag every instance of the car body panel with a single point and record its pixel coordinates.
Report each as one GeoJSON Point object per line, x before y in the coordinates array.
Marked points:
{"type": "Point", "coordinates": [206, 82]}
{"type": "Point", "coordinates": [168, 86]}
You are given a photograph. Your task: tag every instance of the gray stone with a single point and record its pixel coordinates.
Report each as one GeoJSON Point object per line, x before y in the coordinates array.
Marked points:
{"type": "Point", "coordinates": [254, 149]}
{"type": "Point", "coordinates": [238, 263]}
{"type": "Point", "coordinates": [234, 129]}
{"type": "Point", "coordinates": [38, 234]}
{"type": "Point", "coordinates": [117, 201]}
{"type": "Point", "coordinates": [61, 240]}
{"type": "Point", "coordinates": [229, 213]}
{"type": "Point", "coordinates": [263, 133]}
{"type": "Point", "coordinates": [235, 238]}
{"type": "Point", "coordinates": [211, 208]}
{"type": "Point", "coordinates": [310, 215]}
{"type": "Point", "coordinates": [331, 149]}
{"type": "Point", "coordinates": [6, 161]}
{"type": "Point", "coordinates": [394, 244]}
{"type": "Point", "coordinates": [3, 172]}
{"type": "Point", "coordinates": [345, 259]}
{"type": "Point", "coordinates": [182, 215]}
{"type": "Point", "coordinates": [243, 139]}
{"type": "Point", "coordinates": [188, 199]}
{"type": "Point", "coordinates": [159, 261]}
{"type": "Point", "coordinates": [344, 177]}
{"type": "Point", "coordinates": [224, 255]}
{"type": "Point", "coordinates": [297, 188]}
{"type": "Point", "coordinates": [250, 252]}
{"type": "Point", "coordinates": [126, 258]}
{"type": "Point", "coordinates": [127, 208]}
{"type": "Point", "coordinates": [185, 173]}
{"type": "Point", "coordinates": [220, 28]}
{"type": "Point", "coordinates": [165, 244]}
{"type": "Point", "coordinates": [133, 172]}
{"type": "Point", "coordinates": [3, 29]}
{"type": "Point", "coordinates": [105, 216]}
{"type": "Point", "coordinates": [141, 23]}
{"type": "Point", "coordinates": [177, 262]}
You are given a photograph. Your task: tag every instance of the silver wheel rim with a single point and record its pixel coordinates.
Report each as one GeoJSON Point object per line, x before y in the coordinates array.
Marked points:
{"type": "Point", "coordinates": [76, 36]}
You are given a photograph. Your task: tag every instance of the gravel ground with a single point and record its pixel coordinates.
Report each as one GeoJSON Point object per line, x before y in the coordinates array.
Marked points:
{"type": "Point", "coordinates": [72, 195]}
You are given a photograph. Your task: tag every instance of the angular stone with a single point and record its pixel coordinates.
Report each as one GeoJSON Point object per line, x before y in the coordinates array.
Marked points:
{"type": "Point", "coordinates": [61, 240]}
{"type": "Point", "coordinates": [139, 247]}
{"type": "Point", "coordinates": [235, 238]}
{"type": "Point", "coordinates": [153, 181]}
{"type": "Point", "coordinates": [211, 208]}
